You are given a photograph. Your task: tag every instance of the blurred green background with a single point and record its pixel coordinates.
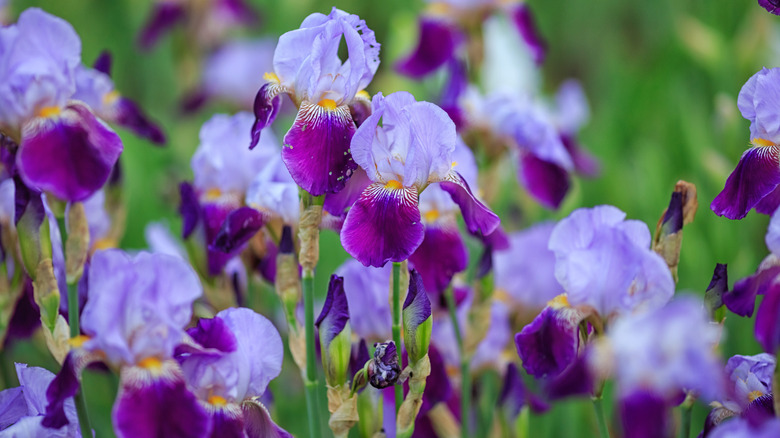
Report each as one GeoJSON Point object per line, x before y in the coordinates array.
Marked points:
{"type": "Point", "coordinates": [662, 78]}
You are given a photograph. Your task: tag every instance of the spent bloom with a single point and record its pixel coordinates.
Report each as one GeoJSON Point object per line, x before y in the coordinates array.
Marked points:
{"type": "Point", "coordinates": [411, 149]}
{"type": "Point", "coordinates": [307, 67]}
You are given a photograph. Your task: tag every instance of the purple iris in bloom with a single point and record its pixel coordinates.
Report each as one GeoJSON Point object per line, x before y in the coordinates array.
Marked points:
{"type": "Point", "coordinates": [526, 270]}
{"type": "Point", "coordinates": [751, 377]}
{"type": "Point", "coordinates": [95, 88]}
{"type": "Point", "coordinates": [22, 408]}
{"type": "Point", "coordinates": [605, 261]}
{"type": "Point", "coordinates": [656, 356]}
{"type": "Point", "coordinates": [241, 353]}
{"type": "Point", "coordinates": [753, 183]}
{"type": "Point", "coordinates": [410, 150]}
{"type": "Point", "coordinates": [151, 295]}
{"type": "Point", "coordinates": [772, 6]}
{"type": "Point", "coordinates": [307, 68]}
{"type": "Point", "coordinates": [63, 148]}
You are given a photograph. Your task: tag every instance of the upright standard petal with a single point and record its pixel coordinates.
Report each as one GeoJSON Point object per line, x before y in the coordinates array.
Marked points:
{"type": "Point", "coordinates": [317, 147]}
{"type": "Point", "coordinates": [757, 174]}
{"type": "Point", "coordinates": [383, 225]}
{"type": "Point", "coordinates": [154, 402]}
{"type": "Point", "coordinates": [437, 42]}
{"type": "Point", "coordinates": [70, 154]}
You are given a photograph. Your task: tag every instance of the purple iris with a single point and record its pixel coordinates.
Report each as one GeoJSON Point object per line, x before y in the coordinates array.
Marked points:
{"type": "Point", "coordinates": [367, 290]}
{"type": "Point", "coordinates": [741, 428]}
{"type": "Point", "coordinates": [241, 353]}
{"type": "Point", "coordinates": [605, 261]}
{"type": "Point", "coordinates": [751, 377]}
{"type": "Point", "coordinates": [410, 150]}
{"type": "Point", "coordinates": [63, 148]}
{"type": "Point", "coordinates": [753, 183]}
{"type": "Point", "coordinates": [22, 409]}
{"type": "Point", "coordinates": [274, 193]}
{"type": "Point", "coordinates": [772, 6]}
{"type": "Point", "coordinates": [152, 296]}
{"type": "Point", "coordinates": [307, 67]}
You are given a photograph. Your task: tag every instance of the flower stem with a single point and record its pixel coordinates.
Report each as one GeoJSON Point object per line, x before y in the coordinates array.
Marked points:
{"type": "Point", "coordinates": [399, 389]}
{"type": "Point", "coordinates": [601, 418]}
{"type": "Point", "coordinates": [465, 378]}
{"type": "Point", "coordinates": [686, 408]}
{"type": "Point", "coordinates": [81, 411]}
{"type": "Point", "coordinates": [311, 383]}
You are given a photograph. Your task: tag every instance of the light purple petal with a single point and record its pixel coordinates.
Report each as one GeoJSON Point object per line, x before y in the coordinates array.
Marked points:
{"type": "Point", "coordinates": [258, 423]}
{"type": "Point", "coordinates": [316, 148]}
{"type": "Point", "coordinates": [756, 101]}
{"type": "Point", "coordinates": [757, 174]}
{"type": "Point", "coordinates": [383, 225]}
{"type": "Point", "coordinates": [440, 256]}
{"type": "Point", "coordinates": [138, 306]}
{"type": "Point", "coordinates": [236, 67]}
{"type": "Point", "coordinates": [772, 238]}
{"type": "Point", "coordinates": [70, 155]}
{"type": "Point", "coordinates": [274, 192]}
{"type": "Point", "coordinates": [437, 42]}
{"type": "Point", "coordinates": [367, 290]}
{"type": "Point", "coordinates": [526, 271]}
{"type": "Point", "coordinates": [751, 377]}
{"type": "Point", "coordinates": [156, 403]}
{"type": "Point", "coordinates": [740, 428]}
{"type": "Point", "coordinates": [12, 406]}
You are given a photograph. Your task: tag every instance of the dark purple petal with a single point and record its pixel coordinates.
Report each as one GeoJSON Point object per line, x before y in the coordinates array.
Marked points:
{"type": "Point", "coordinates": [164, 16]}
{"type": "Point", "coordinates": [193, 101]}
{"type": "Point", "coordinates": [189, 209]}
{"type": "Point", "coordinates": [719, 285]}
{"type": "Point", "coordinates": [438, 40]}
{"type": "Point", "coordinates": [742, 299]}
{"type": "Point", "coordinates": [213, 333]}
{"type": "Point", "coordinates": [772, 6]}
{"type": "Point", "coordinates": [576, 380]}
{"type": "Point", "coordinates": [359, 357]}
{"type": "Point", "coordinates": [240, 11]}
{"type": "Point", "coordinates": [417, 306]}
{"type": "Point", "coordinates": [584, 163]}
{"type": "Point", "coordinates": [672, 221]}
{"type": "Point", "coordinates": [769, 203]}
{"type": "Point", "coordinates": [316, 148]}
{"type": "Point", "coordinates": [757, 174]}
{"type": "Point", "coordinates": [26, 199]}
{"type": "Point", "coordinates": [644, 415]}
{"type": "Point", "coordinates": [337, 203]}
{"type": "Point", "coordinates": [64, 386]}
{"type": "Point", "coordinates": [239, 226]}
{"type": "Point", "coordinates": [227, 422]}
{"type": "Point", "coordinates": [526, 25]}
{"type": "Point", "coordinates": [547, 182]}
{"type": "Point", "coordinates": [440, 256]}
{"type": "Point", "coordinates": [384, 369]}
{"type": "Point", "coordinates": [155, 402]}
{"type": "Point", "coordinates": [514, 394]}
{"type": "Point", "coordinates": [383, 225]}
{"type": "Point", "coordinates": [478, 217]}
{"type": "Point", "coordinates": [103, 63]}
{"type": "Point", "coordinates": [760, 410]}
{"type": "Point", "coordinates": [335, 312]}
{"type": "Point", "coordinates": [549, 344]}
{"type": "Point", "coordinates": [267, 103]}
{"type": "Point", "coordinates": [768, 320]}
{"type": "Point", "coordinates": [129, 115]}
{"type": "Point", "coordinates": [26, 318]}
{"type": "Point", "coordinates": [70, 155]}
{"type": "Point", "coordinates": [267, 265]}
{"type": "Point", "coordinates": [214, 215]}
{"type": "Point", "coordinates": [258, 423]}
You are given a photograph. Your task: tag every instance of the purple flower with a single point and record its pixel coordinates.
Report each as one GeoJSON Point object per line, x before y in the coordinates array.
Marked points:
{"type": "Point", "coordinates": [367, 290]}
{"type": "Point", "coordinates": [232, 70]}
{"type": "Point", "coordinates": [741, 428]}
{"type": "Point", "coordinates": [491, 347]}
{"type": "Point", "coordinates": [335, 333]}
{"type": "Point", "coordinates": [308, 68]}
{"type": "Point", "coordinates": [664, 351]}
{"type": "Point", "coordinates": [754, 180]}
{"type": "Point", "coordinates": [417, 319]}
{"type": "Point", "coordinates": [134, 320]}
{"type": "Point", "coordinates": [605, 261]}
{"type": "Point", "coordinates": [412, 149]}
{"type": "Point", "coordinates": [751, 377]}
{"type": "Point", "coordinates": [22, 408]}
{"type": "Point", "coordinates": [274, 193]}
{"type": "Point", "coordinates": [772, 6]}
{"type": "Point", "coordinates": [767, 330]}
{"type": "Point", "coordinates": [526, 270]}
{"type": "Point", "coordinates": [241, 353]}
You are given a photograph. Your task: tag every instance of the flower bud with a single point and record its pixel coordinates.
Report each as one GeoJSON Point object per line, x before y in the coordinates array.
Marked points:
{"type": "Point", "coordinates": [384, 370]}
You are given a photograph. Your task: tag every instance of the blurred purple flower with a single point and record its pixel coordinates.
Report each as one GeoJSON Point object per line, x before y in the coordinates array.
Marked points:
{"type": "Point", "coordinates": [605, 261]}
{"type": "Point", "coordinates": [233, 69]}
{"type": "Point", "coordinates": [754, 181]}
{"type": "Point", "coordinates": [308, 68]}
{"type": "Point", "coordinates": [274, 193]}
{"type": "Point", "coordinates": [751, 377]}
{"type": "Point", "coordinates": [741, 428]}
{"type": "Point", "coordinates": [772, 6]}
{"type": "Point", "coordinates": [367, 290]}
{"type": "Point", "coordinates": [412, 149]}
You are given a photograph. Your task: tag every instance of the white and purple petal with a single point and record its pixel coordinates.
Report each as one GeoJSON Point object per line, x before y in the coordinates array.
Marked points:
{"type": "Point", "coordinates": [266, 107]}
{"type": "Point", "coordinates": [383, 225]}
{"type": "Point", "coordinates": [70, 155]}
{"type": "Point", "coordinates": [757, 174]}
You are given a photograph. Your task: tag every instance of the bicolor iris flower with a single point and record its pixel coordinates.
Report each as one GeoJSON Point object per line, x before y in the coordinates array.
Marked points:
{"type": "Point", "coordinates": [307, 68]}
{"type": "Point", "coordinates": [410, 150]}
{"type": "Point", "coordinates": [754, 182]}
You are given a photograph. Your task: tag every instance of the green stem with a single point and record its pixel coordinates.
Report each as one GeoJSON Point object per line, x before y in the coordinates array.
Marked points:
{"type": "Point", "coordinates": [488, 383]}
{"type": "Point", "coordinates": [601, 418]}
{"type": "Point", "coordinates": [399, 390]}
{"type": "Point", "coordinates": [685, 427]}
{"type": "Point", "coordinates": [465, 372]}
{"type": "Point", "coordinates": [75, 330]}
{"type": "Point", "coordinates": [311, 383]}
{"type": "Point", "coordinates": [523, 423]}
